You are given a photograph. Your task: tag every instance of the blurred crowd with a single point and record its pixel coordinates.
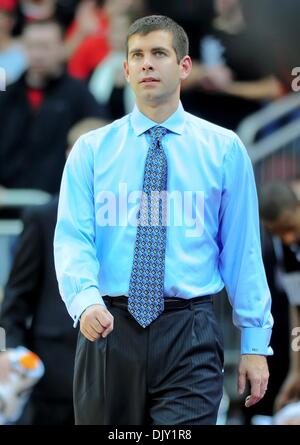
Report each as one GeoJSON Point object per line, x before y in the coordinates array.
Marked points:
{"type": "Point", "coordinates": [63, 64]}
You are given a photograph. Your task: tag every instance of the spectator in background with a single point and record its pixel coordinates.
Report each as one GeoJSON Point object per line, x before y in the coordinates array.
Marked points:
{"type": "Point", "coordinates": [231, 78]}
{"type": "Point", "coordinates": [280, 213]}
{"type": "Point", "coordinates": [33, 10]}
{"type": "Point", "coordinates": [37, 111]}
{"type": "Point", "coordinates": [193, 15]}
{"type": "Point", "coordinates": [34, 315]}
{"type": "Point", "coordinates": [278, 29]}
{"type": "Point", "coordinates": [12, 56]}
{"type": "Point", "coordinates": [38, 9]}
{"type": "Point", "coordinates": [87, 42]}
{"type": "Point", "coordinates": [108, 83]}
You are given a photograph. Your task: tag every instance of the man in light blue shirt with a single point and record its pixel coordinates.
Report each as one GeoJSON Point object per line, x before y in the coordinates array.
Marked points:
{"type": "Point", "coordinates": [157, 213]}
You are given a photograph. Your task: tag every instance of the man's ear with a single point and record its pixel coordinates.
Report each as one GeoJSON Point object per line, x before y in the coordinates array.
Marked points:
{"type": "Point", "coordinates": [126, 70]}
{"type": "Point", "coordinates": [185, 67]}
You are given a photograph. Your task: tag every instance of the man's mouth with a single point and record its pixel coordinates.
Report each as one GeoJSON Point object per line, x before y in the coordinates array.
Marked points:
{"type": "Point", "coordinates": [149, 80]}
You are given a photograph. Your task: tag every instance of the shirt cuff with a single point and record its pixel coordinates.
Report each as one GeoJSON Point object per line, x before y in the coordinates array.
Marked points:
{"type": "Point", "coordinates": [83, 300]}
{"type": "Point", "coordinates": [256, 341]}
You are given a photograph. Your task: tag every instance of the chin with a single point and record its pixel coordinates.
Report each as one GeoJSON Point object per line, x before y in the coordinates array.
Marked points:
{"type": "Point", "coordinates": [151, 97]}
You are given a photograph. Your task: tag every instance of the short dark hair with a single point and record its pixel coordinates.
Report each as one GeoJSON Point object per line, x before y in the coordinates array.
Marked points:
{"type": "Point", "coordinates": [274, 198]}
{"type": "Point", "coordinates": [150, 23]}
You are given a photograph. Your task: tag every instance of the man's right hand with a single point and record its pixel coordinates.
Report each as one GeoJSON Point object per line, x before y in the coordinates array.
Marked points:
{"type": "Point", "coordinates": [96, 321]}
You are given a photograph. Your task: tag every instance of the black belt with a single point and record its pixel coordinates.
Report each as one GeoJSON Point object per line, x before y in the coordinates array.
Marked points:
{"type": "Point", "coordinates": [169, 303]}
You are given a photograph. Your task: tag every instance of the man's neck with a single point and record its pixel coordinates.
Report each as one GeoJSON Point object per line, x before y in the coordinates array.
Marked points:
{"type": "Point", "coordinates": [158, 112]}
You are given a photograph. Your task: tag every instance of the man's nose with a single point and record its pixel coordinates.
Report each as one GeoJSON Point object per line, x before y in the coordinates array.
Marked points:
{"type": "Point", "coordinates": [147, 64]}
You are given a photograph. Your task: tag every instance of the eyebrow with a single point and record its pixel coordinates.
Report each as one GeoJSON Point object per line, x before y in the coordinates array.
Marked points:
{"type": "Point", "coordinates": [158, 48]}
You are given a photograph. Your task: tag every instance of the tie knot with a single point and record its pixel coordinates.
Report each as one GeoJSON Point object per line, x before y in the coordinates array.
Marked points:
{"type": "Point", "coordinates": [157, 133]}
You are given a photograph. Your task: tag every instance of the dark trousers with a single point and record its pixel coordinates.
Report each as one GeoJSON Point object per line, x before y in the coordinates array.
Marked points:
{"type": "Point", "coordinates": [169, 373]}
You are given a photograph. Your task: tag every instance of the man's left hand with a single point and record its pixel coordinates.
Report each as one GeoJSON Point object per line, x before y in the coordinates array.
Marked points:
{"type": "Point", "coordinates": [255, 369]}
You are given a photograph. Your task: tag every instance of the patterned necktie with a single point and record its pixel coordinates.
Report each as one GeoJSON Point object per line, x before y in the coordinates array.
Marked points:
{"type": "Point", "coordinates": [146, 287]}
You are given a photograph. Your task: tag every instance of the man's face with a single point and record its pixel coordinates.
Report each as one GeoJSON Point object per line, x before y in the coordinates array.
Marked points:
{"type": "Point", "coordinates": [152, 68]}
{"type": "Point", "coordinates": [43, 44]}
{"type": "Point", "coordinates": [287, 226]}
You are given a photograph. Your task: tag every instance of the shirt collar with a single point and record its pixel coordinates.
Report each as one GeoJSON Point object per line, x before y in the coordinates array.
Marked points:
{"type": "Point", "coordinates": [142, 123]}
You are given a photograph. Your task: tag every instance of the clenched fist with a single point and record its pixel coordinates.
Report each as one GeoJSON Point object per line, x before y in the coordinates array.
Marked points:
{"type": "Point", "coordinates": [96, 321]}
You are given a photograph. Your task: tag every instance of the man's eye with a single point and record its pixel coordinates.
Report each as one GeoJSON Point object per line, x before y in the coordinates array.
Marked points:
{"type": "Point", "coordinates": [160, 53]}
{"type": "Point", "coordinates": [136, 55]}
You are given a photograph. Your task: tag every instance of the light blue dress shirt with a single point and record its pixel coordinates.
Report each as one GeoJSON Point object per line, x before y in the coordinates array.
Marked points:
{"type": "Point", "coordinates": [212, 230]}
